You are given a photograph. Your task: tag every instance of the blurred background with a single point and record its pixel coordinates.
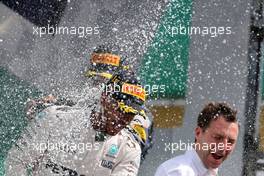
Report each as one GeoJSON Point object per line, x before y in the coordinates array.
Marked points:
{"type": "Point", "coordinates": [188, 52]}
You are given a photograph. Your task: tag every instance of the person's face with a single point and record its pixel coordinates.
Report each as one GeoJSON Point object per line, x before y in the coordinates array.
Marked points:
{"type": "Point", "coordinates": [220, 138]}
{"type": "Point", "coordinates": [115, 120]}
{"type": "Point", "coordinates": [98, 80]}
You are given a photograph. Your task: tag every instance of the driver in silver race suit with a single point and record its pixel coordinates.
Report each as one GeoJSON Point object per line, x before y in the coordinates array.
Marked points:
{"type": "Point", "coordinates": [104, 62]}
{"type": "Point", "coordinates": [63, 143]}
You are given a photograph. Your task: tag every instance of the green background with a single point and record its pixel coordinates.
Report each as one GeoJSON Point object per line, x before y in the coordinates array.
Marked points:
{"type": "Point", "coordinates": [14, 93]}
{"type": "Point", "coordinates": [166, 60]}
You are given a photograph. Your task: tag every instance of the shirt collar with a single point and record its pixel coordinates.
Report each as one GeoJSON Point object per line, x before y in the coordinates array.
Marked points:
{"type": "Point", "coordinates": [198, 164]}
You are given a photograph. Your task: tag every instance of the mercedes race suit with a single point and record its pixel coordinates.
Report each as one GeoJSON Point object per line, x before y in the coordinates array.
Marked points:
{"type": "Point", "coordinates": [62, 142]}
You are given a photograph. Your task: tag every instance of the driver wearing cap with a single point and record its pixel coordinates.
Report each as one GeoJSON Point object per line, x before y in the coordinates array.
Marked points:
{"type": "Point", "coordinates": [68, 142]}
{"type": "Point", "coordinates": [104, 62]}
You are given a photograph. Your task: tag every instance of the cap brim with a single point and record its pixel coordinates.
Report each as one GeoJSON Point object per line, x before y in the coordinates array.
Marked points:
{"type": "Point", "coordinates": [90, 73]}
{"type": "Point", "coordinates": [133, 108]}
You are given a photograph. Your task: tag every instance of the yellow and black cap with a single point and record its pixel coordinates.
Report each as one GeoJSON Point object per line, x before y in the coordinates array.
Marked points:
{"type": "Point", "coordinates": [126, 89]}
{"type": "Point", "coordinates": [105, 61]}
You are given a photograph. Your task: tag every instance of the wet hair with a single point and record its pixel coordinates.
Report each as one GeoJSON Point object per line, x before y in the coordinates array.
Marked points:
{"type": "Point", "coordinates": [214, 110]}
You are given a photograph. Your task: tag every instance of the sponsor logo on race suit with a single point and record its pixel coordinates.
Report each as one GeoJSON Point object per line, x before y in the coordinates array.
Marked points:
{"type": "Point", "coordinates": [107, 164]}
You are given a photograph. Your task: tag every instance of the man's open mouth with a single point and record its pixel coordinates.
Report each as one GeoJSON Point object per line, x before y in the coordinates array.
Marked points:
{"type": "Point", "coordinates": [217, 156]}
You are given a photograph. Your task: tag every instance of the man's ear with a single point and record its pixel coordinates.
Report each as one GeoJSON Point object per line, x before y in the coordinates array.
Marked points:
{"type": "Point", "coordinates": [198, 131]}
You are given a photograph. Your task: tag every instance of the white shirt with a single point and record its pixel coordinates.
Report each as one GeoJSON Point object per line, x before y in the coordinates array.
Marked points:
{"type": "Point", "coordinates": [188, 164]}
